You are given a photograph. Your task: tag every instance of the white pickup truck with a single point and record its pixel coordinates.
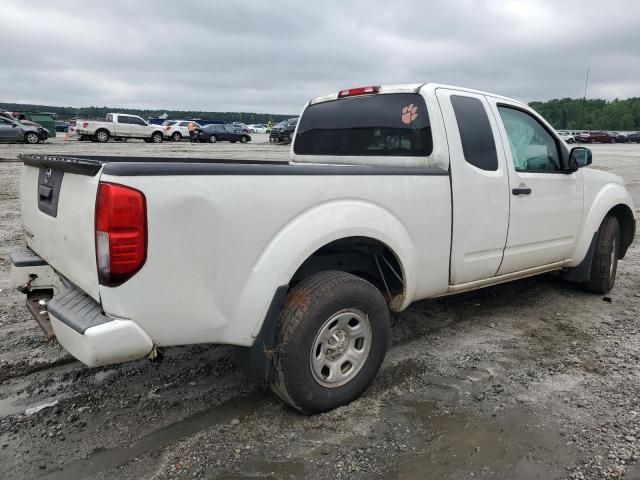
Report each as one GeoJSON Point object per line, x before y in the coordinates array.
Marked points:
{"type": "Point", "coordinates": [119, 126]}
{"type": "Point", "coordinates": [391, 195]}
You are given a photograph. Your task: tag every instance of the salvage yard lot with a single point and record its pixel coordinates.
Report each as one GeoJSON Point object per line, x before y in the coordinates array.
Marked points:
{"type": "Point", "coordinates": [534, 379]}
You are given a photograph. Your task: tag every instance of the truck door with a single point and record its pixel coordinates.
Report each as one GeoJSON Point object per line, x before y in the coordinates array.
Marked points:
{"type": "Point", "coordinates": [123, 126]}
{"type": "Point", "coordinates": [479, 186]}
{"type": "Point", "coordinates": [546, 202]}
{"type": "Point", "coordinates": [139, 128]}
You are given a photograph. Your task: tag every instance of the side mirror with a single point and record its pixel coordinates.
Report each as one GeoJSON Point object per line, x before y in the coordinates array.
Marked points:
{"type": "Point", "coordinates": [579, 157]}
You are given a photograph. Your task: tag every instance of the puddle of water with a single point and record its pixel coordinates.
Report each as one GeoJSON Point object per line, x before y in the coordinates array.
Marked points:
{"type": "Point", "coordinates": [261, 468]}
{"type": "Point", "coordinates": [112, 458]}
{"type": "Point", "coordinates": [454, 446]}
{"type": "Point", "coordinates": [12, 405]}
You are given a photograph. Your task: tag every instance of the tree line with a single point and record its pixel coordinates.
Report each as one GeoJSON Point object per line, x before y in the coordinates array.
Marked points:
{"type": "Point", "coordinates": [578, 114]}
{"type": "Point", "coordinates": [563, 114]}
{"type": "Point", "coordinates": [96, 113]}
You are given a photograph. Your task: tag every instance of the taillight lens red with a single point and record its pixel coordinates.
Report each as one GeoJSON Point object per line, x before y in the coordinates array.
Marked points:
{"type": "Point", "coordinates": [166, 129]}
{"type": "Point", "coordinates": [85, 124]}
{"type": "Point", "coordinates": [121, 233]}
{"type": "Point", "coordinates": [358, 91]}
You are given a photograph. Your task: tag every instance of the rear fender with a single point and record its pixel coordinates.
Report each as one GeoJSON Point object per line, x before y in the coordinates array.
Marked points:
{"type": "Point", "coordinates": [310, 230]}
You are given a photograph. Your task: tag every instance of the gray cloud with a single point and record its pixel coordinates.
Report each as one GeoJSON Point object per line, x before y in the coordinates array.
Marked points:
{"type": "Point", "coordinates": [273, 56]}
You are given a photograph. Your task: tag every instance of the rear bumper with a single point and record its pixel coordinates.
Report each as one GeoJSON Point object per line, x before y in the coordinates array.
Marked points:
{"type": "Point", "coordinates": [78, 321]}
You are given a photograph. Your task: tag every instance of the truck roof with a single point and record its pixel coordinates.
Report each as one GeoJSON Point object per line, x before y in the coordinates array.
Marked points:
{"type": "Point", "coordinates": [414, 88]}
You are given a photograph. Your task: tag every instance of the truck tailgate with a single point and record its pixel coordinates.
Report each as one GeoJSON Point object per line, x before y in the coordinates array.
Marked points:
{"type": "Point", "coordinates": [58, 207]}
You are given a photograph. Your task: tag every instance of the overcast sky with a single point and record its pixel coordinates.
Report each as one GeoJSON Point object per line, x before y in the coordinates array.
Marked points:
{"type": "Point", "coordinates": [272, 56]}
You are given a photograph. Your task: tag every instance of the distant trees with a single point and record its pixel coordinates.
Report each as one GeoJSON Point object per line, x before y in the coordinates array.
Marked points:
{"type": "Point", "coordinates": [575, 114]}
{"type": "Point", "coordinates": [65, 113]}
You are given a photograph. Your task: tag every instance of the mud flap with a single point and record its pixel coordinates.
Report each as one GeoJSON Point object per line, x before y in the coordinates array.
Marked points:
{"type": "Point", "coordinates": [256, 361]}
{"type": "Point", "coordinates": [582, 272]}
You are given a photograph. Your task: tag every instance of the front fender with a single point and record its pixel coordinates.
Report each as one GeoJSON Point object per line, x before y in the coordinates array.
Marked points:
{"type": "Point", "coordinates": [608, 196]}
{"type": "Point", "coordinates": [315, 228]}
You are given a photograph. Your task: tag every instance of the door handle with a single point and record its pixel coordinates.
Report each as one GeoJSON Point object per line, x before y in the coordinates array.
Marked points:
{"type": "Point", "coordinates": [521, 191]}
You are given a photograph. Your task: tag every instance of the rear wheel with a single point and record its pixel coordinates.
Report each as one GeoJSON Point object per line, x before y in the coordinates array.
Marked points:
{"type": "Point", "coordinates": [605, 257]}
{"type": "Point", "coordinates": [334, 329]}
{"type": "Point", "coordinates": [102, 136]}
{"type": "Point", "coordinates": [244, 139]}
{"type": "Point", "coordinates": [213, 139]}
{"type": "Point", "coordinates": [176, 137]}
{"type": "Point", "coordinates": [156, 137]}
{"type": "Point", "coordinates": [31, 138]}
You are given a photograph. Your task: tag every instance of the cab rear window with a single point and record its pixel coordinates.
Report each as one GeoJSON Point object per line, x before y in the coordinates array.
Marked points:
{"type": "Point", "coordinates": [394, 124]}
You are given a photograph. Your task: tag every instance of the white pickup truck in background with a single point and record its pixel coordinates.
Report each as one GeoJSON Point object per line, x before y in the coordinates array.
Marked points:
{"type": "Point", "coordinates": [120, 126]}
{"type": "Point", "coordinates": [391, 195]}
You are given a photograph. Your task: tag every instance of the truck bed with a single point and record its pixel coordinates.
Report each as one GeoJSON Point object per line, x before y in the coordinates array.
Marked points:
{"type": "Point", "coordinates": [157, 166]}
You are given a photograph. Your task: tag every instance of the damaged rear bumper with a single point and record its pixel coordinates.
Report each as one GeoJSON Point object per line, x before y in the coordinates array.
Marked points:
{"type": "Point", "coordinates": [75, 318]}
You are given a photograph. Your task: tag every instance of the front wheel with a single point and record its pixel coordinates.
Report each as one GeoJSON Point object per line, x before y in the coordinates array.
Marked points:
{"type": "Point", "coordinates": [605, 257]}
{"type": "Point", "coordinates": [176, 137]}
{"type": "Point", "coordinates": [31, 138]}
{"type": "Point", "coordinates": [244, 139]}
{"type": "Point", "coordinates": [334, 330]}
{"type": "Point", "coordinates": [213, 139]}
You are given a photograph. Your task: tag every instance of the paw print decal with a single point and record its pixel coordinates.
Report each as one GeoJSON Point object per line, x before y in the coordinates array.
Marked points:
{"type": "Point", "coordinates": [409, 113]}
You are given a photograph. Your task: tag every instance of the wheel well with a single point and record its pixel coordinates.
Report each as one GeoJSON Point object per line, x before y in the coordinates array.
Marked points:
{"type": "Point", "coordinates": [627, 226]}
{"type": "Point", "coordinates": [364, 257]}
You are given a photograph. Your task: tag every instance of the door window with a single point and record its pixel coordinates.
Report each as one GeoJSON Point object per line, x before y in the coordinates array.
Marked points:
{"type": "Point", "coordinates": [136, 121]}
{"type": "Point", "coordinates": [532, 147]}
{"type": "Point", "coordinates": [475, 132]}
{"type": "Point", "coordinates": [124, 119]}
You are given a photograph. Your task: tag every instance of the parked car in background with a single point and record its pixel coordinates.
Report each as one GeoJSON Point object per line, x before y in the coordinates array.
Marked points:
{"type": "Point", "coordinates": [596, 137]}
{"type": "Point", "coordinates": [258, 128]}
{"type": "Point", "coordinates": [283, 132]}
{"type": "Point", "coordinates": [120, 125]}
{"type": "Point", "coordinates": [241, 126]}
{"type": "Point", "coordinates": [12, 131]}
{"type": "Point", "coordinates": [217, 132]}
{"type": "Point", "coordinates": [633, 137]}
{"type": "Point", "coordinates": [62, 127]}
{"type": "Point", "coordinates": [566, 136]}
{"type": "Point", "coordinates": [176, 130]}
{"type": "Point", "coordinates": [43, 133]}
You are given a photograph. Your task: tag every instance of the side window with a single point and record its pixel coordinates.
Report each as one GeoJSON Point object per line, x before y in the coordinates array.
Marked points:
{"type": "Point", "coordinates": [475, 132]}
{"type": "Point", "coordinates": [532, 147]}
{"type": "Point", "coordinates": [123, 119]}
{"type": "Point", "coordinates": [137, 121]}
{"type": "Point", "coordinates": [109, 118]}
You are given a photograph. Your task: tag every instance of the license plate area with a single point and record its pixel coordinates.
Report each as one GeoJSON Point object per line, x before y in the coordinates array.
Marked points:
{"type": "Point", "coordinates": [49, 185]}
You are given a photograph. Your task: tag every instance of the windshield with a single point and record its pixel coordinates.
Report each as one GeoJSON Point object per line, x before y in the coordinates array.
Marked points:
{"type": "Point", "coordinates": [373, 125]}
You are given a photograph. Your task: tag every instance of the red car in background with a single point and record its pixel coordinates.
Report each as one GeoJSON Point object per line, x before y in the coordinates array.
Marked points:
{"type": "Point", "coordinates": [596, 137]}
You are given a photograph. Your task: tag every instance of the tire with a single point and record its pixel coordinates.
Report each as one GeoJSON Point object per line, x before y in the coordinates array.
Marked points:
{"type": "Point", "coordinates": [102, 136]}
{"type": "Point", "coordinates": [213, 139]}
{"type": "Point", "coordinates": [31, 138]}
{"type": "Point", "coordinates": [157, 137]}
{"type": "Point", "coordinates": [176, 137]}
{"type": "Point", "coordinates": [613, 140]}
{"type": "Point", "coordinates": [327, 302]}
{"type": "Point", "coordinates": [604, 264]}
{"type": "Point", "coordinates": [571, 140]}
{"type": "Point", "coordinates": [244, 139]}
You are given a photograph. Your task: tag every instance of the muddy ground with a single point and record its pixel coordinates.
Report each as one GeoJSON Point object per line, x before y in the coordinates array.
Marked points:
{"type": "Point", "coordinates": [533, 379]}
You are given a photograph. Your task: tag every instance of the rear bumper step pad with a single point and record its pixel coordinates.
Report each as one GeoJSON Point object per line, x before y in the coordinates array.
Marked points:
{"type": "Point", "coordinates": [77, 310]}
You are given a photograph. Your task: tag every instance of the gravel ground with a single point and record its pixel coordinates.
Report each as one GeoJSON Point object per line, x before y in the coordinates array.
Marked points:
{"type": "Point", "coordinates": [533, 379]}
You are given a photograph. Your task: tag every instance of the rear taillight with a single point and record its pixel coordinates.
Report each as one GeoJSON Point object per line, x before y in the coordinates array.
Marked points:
{"type": "Point", "coordinates": [166, 129]}
{"type": "Point", "coordinates": [121, 233]}
{"type": "Point", "coordinates": [358, 91]}
{"type": "Point", "coordinates": [85, 124]}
